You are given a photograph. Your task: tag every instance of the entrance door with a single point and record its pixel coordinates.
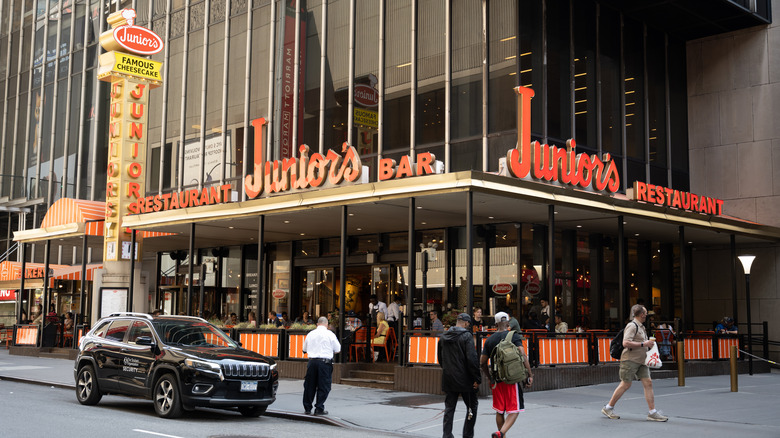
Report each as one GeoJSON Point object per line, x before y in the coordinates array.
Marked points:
{"type": "Point", "coordinates": [320, 288]}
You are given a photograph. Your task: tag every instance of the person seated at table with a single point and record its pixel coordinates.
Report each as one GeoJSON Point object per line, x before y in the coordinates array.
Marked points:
{"type": "Point", "coordinates": [532, 323]}
{"type": "Point", "coordinates": [353, 322]}
{"type": "Point", "coordinates": [305, 319]}
{"type": "Point", "coordinates": [232, 320]}
{"type": "Point", "coordinates": [665, 343]}
{"type": "Point", "coordinates": [272, 319]}
{"type": "Point", "coordinates": [68, 322]}
{"type": "Point", "coordinates": [480, 323]}
{"type": "Point", "coordinates": [726, 327]}
{"type": "Point", "coordinates": [37, 314]}
{"type": "Point", "coordinates": [251, 319]}
{"type": "Point", "coordinates": [560, 324]}
{"type": "Point", "coordinates": [381, 333]}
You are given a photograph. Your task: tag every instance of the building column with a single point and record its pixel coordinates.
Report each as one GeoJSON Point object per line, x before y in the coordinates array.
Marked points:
{"type": "Point", "coordinates": [621, 257]}
{"type": "Point", "coordinates": [411, 280]}
{"type": "Point", "coordinates": [190, 269]}
{"type": "Point", "coordinates": [261, 301]}
{"type": "Point", "coordinates": [470, 254]}
{"type": "Point", "coordinates": [343, 281]}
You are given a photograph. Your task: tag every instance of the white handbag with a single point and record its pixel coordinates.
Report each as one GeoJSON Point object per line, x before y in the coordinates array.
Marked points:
{"type": "Point", "coordinates": [653, 358]}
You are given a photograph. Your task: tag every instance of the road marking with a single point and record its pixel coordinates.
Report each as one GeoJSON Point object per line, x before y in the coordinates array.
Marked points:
{"type": "Point", "coordinates": [155, 433]}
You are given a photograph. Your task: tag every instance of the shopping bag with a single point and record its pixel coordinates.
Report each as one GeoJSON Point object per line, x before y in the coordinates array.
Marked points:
{"type": "Point", "coordinates": [653, 359]}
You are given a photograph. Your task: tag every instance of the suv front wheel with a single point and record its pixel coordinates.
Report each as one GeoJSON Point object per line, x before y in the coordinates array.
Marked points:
{"type": "Point", "coordinates": [87, 391]}
{"type": "Point", "coordinates": [167, 402]}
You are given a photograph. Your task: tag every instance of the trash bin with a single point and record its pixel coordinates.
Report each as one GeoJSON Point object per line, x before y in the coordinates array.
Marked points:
{"type": "Point", "coordinates": [49, 335]}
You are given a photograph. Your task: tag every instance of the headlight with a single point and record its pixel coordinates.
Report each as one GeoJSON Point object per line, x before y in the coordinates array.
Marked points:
{"type": "Point", "coordinates": [273, 367]}
{"type": "Point", "coordinates": [202, 365]}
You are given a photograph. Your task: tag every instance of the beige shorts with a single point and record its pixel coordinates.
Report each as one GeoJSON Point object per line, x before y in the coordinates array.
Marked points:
{"type": "Point", "coordinates": [630, 371]}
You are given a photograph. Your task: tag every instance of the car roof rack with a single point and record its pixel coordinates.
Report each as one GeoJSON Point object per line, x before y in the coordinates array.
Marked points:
{"type": "Point", "coordinates": [138, 314]}
{"type": "Point", "coordinates": [197, 318]}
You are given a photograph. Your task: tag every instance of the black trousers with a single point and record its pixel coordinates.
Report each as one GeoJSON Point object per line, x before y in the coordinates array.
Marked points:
{"type": "Point", "coordinates": [317, 381]}
{"type": "Point", "coordinates": [450, 401]}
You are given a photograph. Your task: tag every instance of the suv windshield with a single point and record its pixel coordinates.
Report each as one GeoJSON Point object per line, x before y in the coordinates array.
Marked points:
{"type": "Point", "coordinates": [191, 333]}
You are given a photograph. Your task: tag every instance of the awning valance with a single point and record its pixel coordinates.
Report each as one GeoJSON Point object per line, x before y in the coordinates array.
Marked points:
{"type": "Point", "coordinates": [73, 273]}
{"type": "Point", "coordinates": [69, 217]}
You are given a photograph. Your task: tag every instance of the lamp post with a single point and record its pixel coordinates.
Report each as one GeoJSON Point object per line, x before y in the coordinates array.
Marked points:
{"type": "Point", "coordinates": [747, 260]}
{"type": "Point", "coordinates": [428, 255]}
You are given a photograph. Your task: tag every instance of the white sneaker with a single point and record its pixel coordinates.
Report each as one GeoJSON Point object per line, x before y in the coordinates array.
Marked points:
{"type": "Point", "coordinates": [610, 413]}
{"type": "Point", "coordinates": [376, 356]}
{"type": "Point", "coordinates": [657, 416]}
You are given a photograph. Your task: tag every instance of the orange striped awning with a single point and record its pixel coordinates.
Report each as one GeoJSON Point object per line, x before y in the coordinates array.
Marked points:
{"type": "Point", "coordinates": [73, 273]}
{"type": "Point", "coordinates": [69, 210]}
{"type": "Point", "coordinates": [69, 217]}
{"type": "Point", "coordinates": [10, 270]}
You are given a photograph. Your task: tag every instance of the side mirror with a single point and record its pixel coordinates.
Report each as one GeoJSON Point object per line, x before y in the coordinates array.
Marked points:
{"type": "Point", "coordinates": [144, 340]}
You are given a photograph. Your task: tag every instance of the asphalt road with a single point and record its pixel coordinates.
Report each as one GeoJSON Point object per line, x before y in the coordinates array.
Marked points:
{"type": "Point", "coordinates": [37, 410]}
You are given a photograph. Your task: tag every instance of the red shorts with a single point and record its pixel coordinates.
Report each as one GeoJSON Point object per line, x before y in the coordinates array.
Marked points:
{"type": "Point", "coordinates": [508, 398]}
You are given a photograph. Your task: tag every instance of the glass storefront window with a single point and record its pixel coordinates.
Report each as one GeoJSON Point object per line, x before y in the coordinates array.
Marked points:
{"type": "Point", "coordinates": [585, 91]}
{"type": "Point", "coordinates": [558, 75]}
{"type": "Point", "coordinates": [633, 51]}
{"type": "Point", "coordinates": [656, 99]}
{"type": "Point", "coordinates": [503, 47]}
{"type": "Point", "coordinates": [467, 61]}
{"type": "Point", "coordinates": [609, 61]}
{"type": "Point", "coordinates": [280, 286]}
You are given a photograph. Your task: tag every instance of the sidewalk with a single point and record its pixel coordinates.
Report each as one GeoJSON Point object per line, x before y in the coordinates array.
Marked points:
{"type": "Point", "coordinates": [704, 404]}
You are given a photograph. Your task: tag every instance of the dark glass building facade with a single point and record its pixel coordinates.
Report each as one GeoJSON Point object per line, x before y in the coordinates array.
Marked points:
{"type": "Point", "coordinates": [393, 79]}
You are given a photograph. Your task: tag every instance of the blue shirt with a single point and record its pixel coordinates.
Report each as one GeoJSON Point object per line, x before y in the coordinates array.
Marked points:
{"type": "Point", "coordinates": [721, 326]}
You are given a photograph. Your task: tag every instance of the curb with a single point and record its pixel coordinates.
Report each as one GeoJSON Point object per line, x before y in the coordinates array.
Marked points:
{"type": "Point", "coordinates": [38, 382]}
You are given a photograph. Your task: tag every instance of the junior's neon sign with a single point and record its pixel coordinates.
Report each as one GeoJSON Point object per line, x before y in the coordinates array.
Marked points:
{"type": "Point", "coordinates": [554, 164]}
{"type": "Point", "coordinates": [309, 170]}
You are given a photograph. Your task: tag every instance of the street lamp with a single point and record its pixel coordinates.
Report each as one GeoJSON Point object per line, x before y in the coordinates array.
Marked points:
{"type": "Point", "coordinates": [428, 255]}
{"type": "Point", "coordinates": [747, 260]}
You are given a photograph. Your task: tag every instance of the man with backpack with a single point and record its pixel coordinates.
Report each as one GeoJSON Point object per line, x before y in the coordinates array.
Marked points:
{"type": "Point", "coordinates": [505, 363]}
{"type": "Point", "coordinates": [632, 365]}
{"type": "Point", "coordinates": [460, 374]}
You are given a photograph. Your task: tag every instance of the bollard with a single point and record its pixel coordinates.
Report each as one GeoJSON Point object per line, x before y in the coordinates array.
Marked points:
{"type": "Point", "coordinates": [733, 366]}
{"type": "Point", "coordinates": [680, 363]}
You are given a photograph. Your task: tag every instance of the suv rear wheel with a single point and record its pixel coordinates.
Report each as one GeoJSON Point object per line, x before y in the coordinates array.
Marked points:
{"type": "Point", "coordinates": [167, 402]}
{"type": "Point", "coordinates": [87, 391]}
{"type": "Point", "coordinates": [252, 411]}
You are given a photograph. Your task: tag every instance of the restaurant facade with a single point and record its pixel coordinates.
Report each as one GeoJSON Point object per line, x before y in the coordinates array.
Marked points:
{"type": "Point", "coordinates": [304, 155]}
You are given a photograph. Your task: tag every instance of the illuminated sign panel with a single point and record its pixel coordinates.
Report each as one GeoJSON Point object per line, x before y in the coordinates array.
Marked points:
{"type": "Point", "coordinates": [123, 65]}
{"type": "Point", "coordinates": [131, 79]}
{"type": "Point", "coordinates": [667, 197]}
{"type": "Point", "coordinates": [553, 164]}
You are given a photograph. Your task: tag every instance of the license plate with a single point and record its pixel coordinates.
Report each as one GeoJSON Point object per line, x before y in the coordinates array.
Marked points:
{"type": "Point", "coordinates": [249, 386]}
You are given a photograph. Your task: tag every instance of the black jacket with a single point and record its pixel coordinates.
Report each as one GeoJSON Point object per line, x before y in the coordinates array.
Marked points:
{"type": "Point", "coordinates": [459, 361]}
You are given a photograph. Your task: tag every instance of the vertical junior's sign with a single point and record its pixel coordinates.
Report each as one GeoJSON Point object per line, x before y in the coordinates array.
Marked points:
{"type": "Point", "coordinates": [131, 78]}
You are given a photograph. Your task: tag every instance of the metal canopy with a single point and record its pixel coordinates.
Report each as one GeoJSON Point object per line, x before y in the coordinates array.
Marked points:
{"type": "Point", "coordinates": [440, 202]}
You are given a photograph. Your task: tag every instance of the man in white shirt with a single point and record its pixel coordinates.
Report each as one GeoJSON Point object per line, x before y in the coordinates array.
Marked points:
{"type": "Point", "coordinates": [394, 314]}
{"type": "Point", "coordinates": [320, 345]}
{"type": "Point", "coordinates": [375, 306]}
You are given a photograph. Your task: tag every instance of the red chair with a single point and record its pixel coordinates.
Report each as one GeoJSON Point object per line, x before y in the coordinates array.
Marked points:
{"type": "Point", "coordinates": [389, 345]}
{"type": "Point", "coordinates": [359, 342]}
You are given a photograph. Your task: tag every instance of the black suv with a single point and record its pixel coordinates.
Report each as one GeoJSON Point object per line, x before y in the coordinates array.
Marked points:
{"type": "Point", "coordinates": [179, 362]}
